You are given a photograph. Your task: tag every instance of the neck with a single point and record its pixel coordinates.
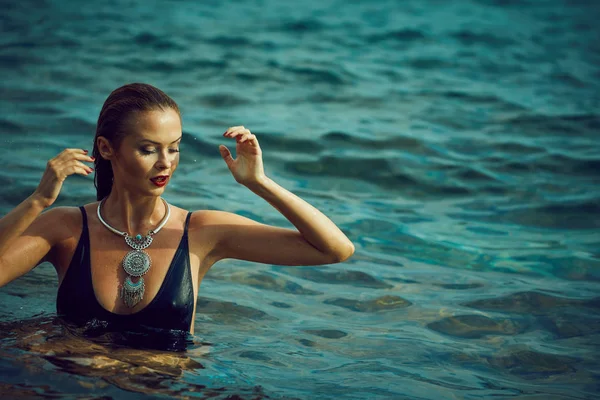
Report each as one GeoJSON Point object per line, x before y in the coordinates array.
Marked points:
{"type": "Point", "coordinates": [132, 214]}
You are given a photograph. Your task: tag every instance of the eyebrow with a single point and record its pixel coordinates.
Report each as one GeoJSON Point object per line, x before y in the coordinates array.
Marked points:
{"type": "Point", "coordinates": [153, 142]}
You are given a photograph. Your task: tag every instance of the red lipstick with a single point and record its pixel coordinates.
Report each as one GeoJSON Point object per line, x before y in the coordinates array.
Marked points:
{"type": "Point", "coordinates": [161, 180]}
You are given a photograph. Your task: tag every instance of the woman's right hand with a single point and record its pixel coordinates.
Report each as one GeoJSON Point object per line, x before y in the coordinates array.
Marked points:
{"type": "Point", "coordinates": [68, 162]}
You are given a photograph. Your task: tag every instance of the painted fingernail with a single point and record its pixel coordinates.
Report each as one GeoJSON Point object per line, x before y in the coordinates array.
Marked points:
{"type": "Point", "coordinates": [93, 158]}
{"type": "Point", "coordinates": [85, 151]}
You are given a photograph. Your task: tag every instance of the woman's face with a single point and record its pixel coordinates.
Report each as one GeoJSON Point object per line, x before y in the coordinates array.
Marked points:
{"type": "Point", "coordinates": [149, 153]}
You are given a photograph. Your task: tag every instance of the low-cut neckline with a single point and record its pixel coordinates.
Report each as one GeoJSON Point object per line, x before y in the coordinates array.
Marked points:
{"type": "Point", "coordinates": [160, 289]}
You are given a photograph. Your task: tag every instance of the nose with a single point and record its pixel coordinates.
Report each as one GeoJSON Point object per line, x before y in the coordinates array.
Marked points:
{"type": "Point", "coordinates": [164, 160]}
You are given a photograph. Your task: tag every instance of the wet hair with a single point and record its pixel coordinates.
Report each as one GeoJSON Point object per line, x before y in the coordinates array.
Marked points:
{"type": "Point", "coordinates": [116, 112]}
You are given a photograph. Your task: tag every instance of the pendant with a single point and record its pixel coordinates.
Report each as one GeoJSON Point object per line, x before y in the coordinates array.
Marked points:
{"type": "Point", "coordinates": [138, 242]}
{"type": "Point", "coordinates": [136, 263]}
{"type": "Point", "coordinates": [132, 292]}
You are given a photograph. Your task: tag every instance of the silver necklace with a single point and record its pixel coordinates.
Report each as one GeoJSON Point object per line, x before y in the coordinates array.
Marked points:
{"type": "Point", "coordinates": [137, 262]}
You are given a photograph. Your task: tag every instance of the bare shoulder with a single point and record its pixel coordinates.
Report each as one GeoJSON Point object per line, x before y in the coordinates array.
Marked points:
{"type": "Point", "coordinates": [65, 221]}
{"type": "Point", "coordinates": [203, 219]}
{"type": "Point", "coordinates": [202, 226]}
{"type": "Point", "coordinates": [51, 233]}
{"type": "Point", "coordinates": [204, 233]}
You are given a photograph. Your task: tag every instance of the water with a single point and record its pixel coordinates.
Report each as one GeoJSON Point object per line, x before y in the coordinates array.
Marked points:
{"type": "Point", "coordinates": [456, 143]}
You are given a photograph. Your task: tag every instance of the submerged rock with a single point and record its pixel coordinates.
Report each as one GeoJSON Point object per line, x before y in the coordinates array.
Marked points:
{"type": "Point", "coordinates": [379, 304]}
{"type": "Point", "coordinates": [529, 364]}
{"type": "Point", "coordinates": [353, 278]}
{"type": "Point", "coordinates": [528, 303]}
{"type": "Point", "coordinates": [227, 312]}
{"type": "Point", "coordinates": [327, 333]}
{"type": "Point", "coordinates": [563, 317]}
{"type": "Point", "coordinates": [475, 326]}
{"type": "Point", "coordinates": [274, 283]}
{"type": "Point", "coordinates": [280, 304]}
{"type": "Point", "coordinates": [307, 343]}
{"type": "Point", "coordinates": [569, 325]}
{"type": "Point", "coordinates": [459, 286]}
{"type": "Point", "coordinates": [255, 355]}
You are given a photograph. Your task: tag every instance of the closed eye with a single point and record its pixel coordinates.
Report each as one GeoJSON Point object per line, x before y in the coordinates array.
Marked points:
{"type": "Point", "coordinates": [147, 151]}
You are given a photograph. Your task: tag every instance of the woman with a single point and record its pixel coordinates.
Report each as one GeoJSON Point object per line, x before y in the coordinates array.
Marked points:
{"type": "Point", "coordinates": [131, 259]}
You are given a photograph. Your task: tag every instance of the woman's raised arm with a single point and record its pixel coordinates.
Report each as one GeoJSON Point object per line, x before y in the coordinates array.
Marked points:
{"type": "Point", "coordinates": [25, 235]}
{"type": "Point", "coordinates": [317, 241]}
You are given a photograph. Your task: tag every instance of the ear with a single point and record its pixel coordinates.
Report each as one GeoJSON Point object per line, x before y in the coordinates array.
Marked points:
{"type": "Point", "coordinates": [105, 148]}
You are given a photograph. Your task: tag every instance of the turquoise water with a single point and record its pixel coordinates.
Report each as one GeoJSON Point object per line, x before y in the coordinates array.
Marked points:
{"type": "Point", "coordinates": [455, 143]}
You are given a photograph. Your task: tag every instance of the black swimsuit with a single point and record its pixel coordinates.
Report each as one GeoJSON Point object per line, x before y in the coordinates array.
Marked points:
{"type": "Point", "coordinates": [171, 309]}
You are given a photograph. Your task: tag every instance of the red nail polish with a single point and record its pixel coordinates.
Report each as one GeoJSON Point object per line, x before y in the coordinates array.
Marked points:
{"type": "Point", "coordinates": [93, 158]}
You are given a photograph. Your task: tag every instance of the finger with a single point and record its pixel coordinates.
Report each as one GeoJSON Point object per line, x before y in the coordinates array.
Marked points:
{"type": "Point", "coordinates": [237, 132]}
{"type": "Point", "coordinates": [77, 169]}
{"type": "Point", "coordinates": [254, 142]}
{"type": "Point", "coordinates": [82, 157]}
{"type": "Point", "coordinates": [232, 129]}
{"type": "Point", "coordinates": [226, 154]}
{"type": "Point", "coordinates": [75, 151]}
{"type": "Point", "coordinates": [79, 154]}
{"type": "Point", "coordinates": [75, 159]}
{"type": "Point", "coordinates": [247, 138]}
{"type": "Point", "coordinates": [242, 134]}
{"type": "Point", "coordinates": [77, 164]}
{"type": "Point", "coordinates": [85, 157]}
{"type": "Point", "coordinates": [81, 171]}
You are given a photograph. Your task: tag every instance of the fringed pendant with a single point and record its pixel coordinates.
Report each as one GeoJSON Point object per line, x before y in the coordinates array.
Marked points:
{"type": "Point", "coordinates": [135, 263]}
{"type": "Point", "coordinates": [132, 292]}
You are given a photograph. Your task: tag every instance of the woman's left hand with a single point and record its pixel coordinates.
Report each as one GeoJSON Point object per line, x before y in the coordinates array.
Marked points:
{"type": "Point", "coordinates": [247, 167]}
